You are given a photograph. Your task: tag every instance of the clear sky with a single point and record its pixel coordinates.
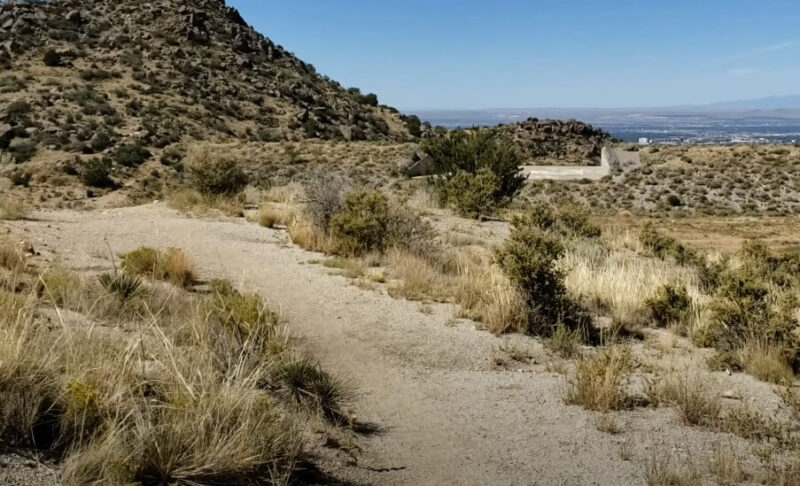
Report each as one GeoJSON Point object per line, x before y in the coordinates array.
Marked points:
{"type": "Point", "coordinates": [443, 54]}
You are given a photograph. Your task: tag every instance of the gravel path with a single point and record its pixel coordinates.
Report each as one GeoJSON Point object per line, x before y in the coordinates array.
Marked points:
{"type": "Point", "coordinates": [446, 413]}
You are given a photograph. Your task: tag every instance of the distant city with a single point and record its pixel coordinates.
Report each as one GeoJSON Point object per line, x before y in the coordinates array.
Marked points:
{"type": "Point", "coordinates": [761, 121]}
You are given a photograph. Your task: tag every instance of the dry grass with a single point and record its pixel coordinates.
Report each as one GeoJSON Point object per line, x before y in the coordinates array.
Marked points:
{"type": "Point", "coordinates": [599, 381]}
{"type": "Point", "coordinates": [766, 362]}
{"type": "Point", "coordinates": [727, 466]}
{"type": "Point", "coordinates": [306, 236]}
{"type": "Point", "coordinates": [188, 396]}
{"type": "Point", "coordinates": [694, 397]}
{"type": "Point", "coordinates": [269, 217]}
{"type": "Point", "coordinates": [173, 266]}
{"type": "Point", "coordinates": [615, 281]}
{"type": "Point", "coordinates": [193, 202]}
{"type": "Point", "coordinates": [13, 209]}
{"type": "Point", "coordinates": [661, 469]}
{"type": "Point", "coordinates": [417, 279]}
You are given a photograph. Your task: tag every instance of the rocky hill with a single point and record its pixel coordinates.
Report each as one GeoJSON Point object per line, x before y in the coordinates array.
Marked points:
{"type": "Point", "coordinates": [557, 142]}
{"type": "Point", "coordinates": [91, 76]}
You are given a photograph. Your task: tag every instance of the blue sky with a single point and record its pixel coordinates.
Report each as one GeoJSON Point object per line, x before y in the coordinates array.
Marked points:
{"type": "Point", "coordinates": [449, 54]}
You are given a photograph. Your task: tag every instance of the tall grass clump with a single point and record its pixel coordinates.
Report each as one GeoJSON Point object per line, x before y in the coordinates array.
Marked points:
{"type": "Point", "coordinates": [172, 265]}
{"type": "Point", "coordinates": [13, 209]}
{"type": "Point", "coordinates": [205, 389]}
{"type": "Point", "coordinates": [599, 381]}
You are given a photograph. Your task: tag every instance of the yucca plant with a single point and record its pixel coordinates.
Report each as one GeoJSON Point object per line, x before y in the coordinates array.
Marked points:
{"type": "Point", "coordinates": [123, 285]}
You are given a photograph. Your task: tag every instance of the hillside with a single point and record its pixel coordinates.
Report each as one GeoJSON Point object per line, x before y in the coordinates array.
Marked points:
{"type": "Point", "coordinates": [557, 142]}
{"type": "Point", "coordinates": [86, 76]}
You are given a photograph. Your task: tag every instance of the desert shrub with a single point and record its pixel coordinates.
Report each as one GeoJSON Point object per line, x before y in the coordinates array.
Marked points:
{"type": "Point", "coordinates": [472, 195]}
{"type": "Point", "coordinates": [51, 58]}
{"type": "Point", "coordinates": [665, 247]}
{"type": "Point", "coordinates": [726, 361]}
{"type": "Point", "coordinates": [245, 314]}
{"type": "Point", "coordinates": [492, 163]}
{"type": "Point", "coordinates": [131, 155]}
{"type": "Point", "coordinates": [97, 173]}
{"type": "Point", "coordinates": [361, 226]}
{"type": "Point", "coordinates": [324, 198]}
{"type": "Point", "coordinates": [214, 174]}
{"type": "Point", "coordinates": [574, 219]}
{"type": "Point", "coordinates": [18, 110]}
{"type": "Point", "coordinates": [598, 383]}
{"type": "Point", "coordinates": [171, 266]}
{"type": "Point", "coordinates": [530, 259]}
{"type": "Point", "coordinates": [669, 305]}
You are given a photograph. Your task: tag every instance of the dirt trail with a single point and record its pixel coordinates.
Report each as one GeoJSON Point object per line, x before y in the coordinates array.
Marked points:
{"type": "Point", "coordinates": [447, 415]}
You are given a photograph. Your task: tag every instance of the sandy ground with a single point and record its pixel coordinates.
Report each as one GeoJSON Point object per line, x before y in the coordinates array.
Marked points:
{"type": "Point", "coordinates": [445, 412]}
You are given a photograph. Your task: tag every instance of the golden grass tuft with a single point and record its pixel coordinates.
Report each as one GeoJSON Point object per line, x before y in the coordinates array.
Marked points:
{"type": "Point", "coordinates": [268, 217]}
{"type": "Point", "coordinates": [616, 282]}
{"type": "Point", "coordinates": [173, 266]}
{"type": "Point", "coordinates": [766, 362]}
{"type": "Point", "coordinates": [417, 278]}
{"type": "Point", "coordinates": [197, 391]}
{"type": "Point", "coordinates": [694, 397]}
{"type": "Point", "coordinates": [13, 209]}
{"type": "Point", "coordinates": [599, 381]}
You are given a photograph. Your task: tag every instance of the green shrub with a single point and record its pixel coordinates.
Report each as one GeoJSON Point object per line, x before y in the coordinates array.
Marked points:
{"type": "Point", "coordinates": [244, 314]}
{"type": "Point", "coordinates": [469, 151]}
{"type": "Point", "coordinates": [215, 175]}
{"type": "Point", "coordinates": [131, 155]}
{"type": "Point", "coordinates": [665, 247]}
{"type": "Point", "coordinates": [530, 259]}
{"type": "Point", "coordinates": [361, 226]}
{"type": "Point", "coordinates": [52, 58]}
{"type": "Point", "coordinates": [96, 173]}
{"type": "Point", "coordinates": [669, 305]}
{"type": "Point", "coordinates": [472, 195]}
{"type": "Point", "coordinates": [574, 219]}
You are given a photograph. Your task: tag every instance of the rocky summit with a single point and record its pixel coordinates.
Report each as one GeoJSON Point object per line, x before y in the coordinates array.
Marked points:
{"type": "Point", "coordinates": [558, 142]}
{"type": "Point", "coordinates": [85, 76]}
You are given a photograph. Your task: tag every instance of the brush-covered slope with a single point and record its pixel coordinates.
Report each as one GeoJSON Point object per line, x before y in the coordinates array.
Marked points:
{"type": "Point", "coordinates": [85, 76]}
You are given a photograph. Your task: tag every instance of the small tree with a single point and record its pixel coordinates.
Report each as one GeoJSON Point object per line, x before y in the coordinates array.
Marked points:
{"type": "Point", "coordinates": [470, 151]}
{"type": "Point", "coordinates": [214, 174]}
{"type": "Point", "coordinates": [530, 259]}
{"type": "Point", "coordinates": [362, 224]}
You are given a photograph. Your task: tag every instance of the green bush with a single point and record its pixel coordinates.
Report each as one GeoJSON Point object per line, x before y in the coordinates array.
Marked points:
{"type": "Point", "coordinates": [96, 173]}
{"type": "Point", "coordinates": [470, 151]}
{"type": "Point", "coordinates": [569, 219]}
{"type": "Point", "coordinates": [131, 155]}
{"type": "Point", "coordinates": [361, 226]}
{"type": "Point", "coordinates": [215, 175]}
{"type": "Point", "coordinates": [665, 247]}
{"type": "Point", "coordinates": [669, 305]}
{"type": "Point", "coordinates": [530, 259]}
{"type": "Point", "coordinates": [472, 195]}
{"type": "Point", "coordinates": [574, 219]}
{"type": "Point", "coordinates": [51, 58]}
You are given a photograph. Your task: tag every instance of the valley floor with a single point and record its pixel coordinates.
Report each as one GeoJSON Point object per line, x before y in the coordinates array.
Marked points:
{"type": "Point", "coordinates": [442, 410]}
